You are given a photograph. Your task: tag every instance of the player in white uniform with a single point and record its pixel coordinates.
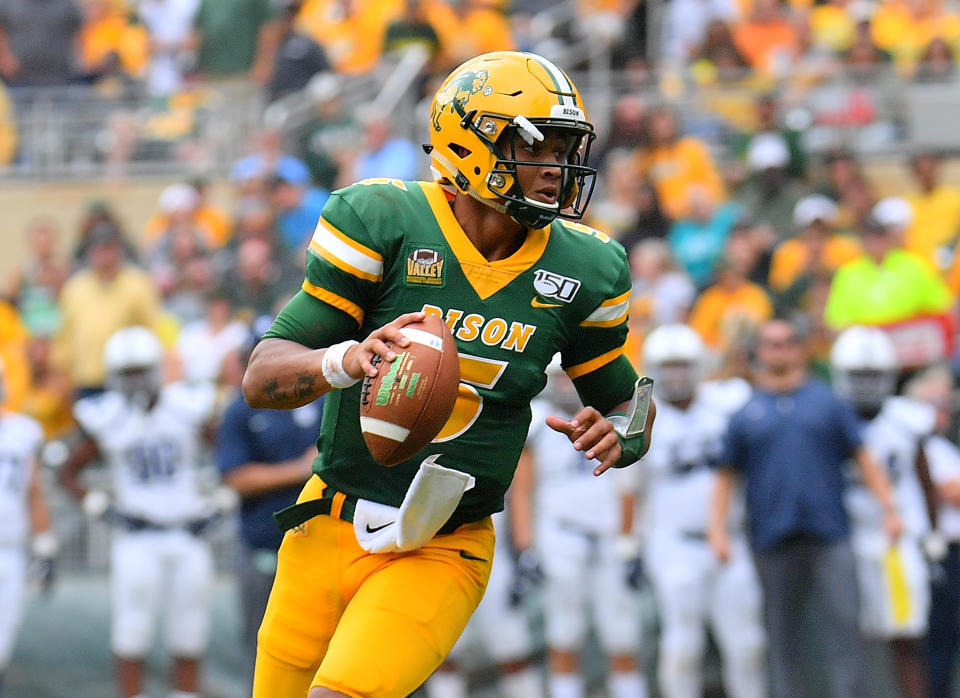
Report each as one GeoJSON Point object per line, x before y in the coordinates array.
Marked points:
{"type": "Point", "coordinates": [675, 483]}
{"type": "Point", "coordinates": [149, 436]}
{"type": "Point", "coordinates": [577, 522]}
{"type": "Point", "coordinates": [500, 626]}
{"type": "Point", "coordinates": [23, 512]}
{"type": "Point", "coordinates": [893, 575]}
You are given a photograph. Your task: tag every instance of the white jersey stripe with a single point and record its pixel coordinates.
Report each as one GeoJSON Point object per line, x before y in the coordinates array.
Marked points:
{"type": "Point", "coordinates": [606, 313]}
{"type": "Point", "coordinates": [387, 430]}
{"type": "Point", "coordinates": [327, 239]}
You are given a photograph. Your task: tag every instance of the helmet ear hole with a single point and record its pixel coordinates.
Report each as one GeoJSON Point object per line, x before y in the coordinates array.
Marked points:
{"type": "Point", "coordinates": [460, 151]}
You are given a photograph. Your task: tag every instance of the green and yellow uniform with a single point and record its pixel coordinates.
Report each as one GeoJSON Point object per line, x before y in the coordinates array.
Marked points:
{"type": "Point", "coordinates": [383, 248]}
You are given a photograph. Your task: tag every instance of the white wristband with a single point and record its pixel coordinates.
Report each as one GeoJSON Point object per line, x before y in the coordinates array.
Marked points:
{"type": "Point", "coordinates": [332, 365]}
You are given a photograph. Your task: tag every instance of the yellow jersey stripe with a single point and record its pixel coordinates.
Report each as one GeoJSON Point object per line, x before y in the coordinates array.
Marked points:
{"type": "Point", "coordinates": [622, 298]}
{"type": "Point", "coordinates": [595, 363]}
{"type": "Point", "coordinates": [340, 264]}
{"type": "Point", "coordinates": [338, 302]}
{"type": "Point", "coordinates": [350, 252]}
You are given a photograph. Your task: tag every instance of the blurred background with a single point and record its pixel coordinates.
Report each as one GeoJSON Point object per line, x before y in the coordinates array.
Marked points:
{"type": "Point", "coordinates": [743, 149]}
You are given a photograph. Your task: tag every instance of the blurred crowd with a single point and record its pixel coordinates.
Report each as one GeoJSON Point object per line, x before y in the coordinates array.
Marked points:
{"type": "Point", "coordinates": [169, 55]}
{"type": "Point", "coordinates": [720, 239]}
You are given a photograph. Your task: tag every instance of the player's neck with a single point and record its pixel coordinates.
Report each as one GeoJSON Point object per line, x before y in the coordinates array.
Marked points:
{"type": "Point", "coordinates": [495, 235]}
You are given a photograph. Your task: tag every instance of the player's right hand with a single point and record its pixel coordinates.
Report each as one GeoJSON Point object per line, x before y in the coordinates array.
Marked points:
{"type": "Point", "coordinates": [358, 360]}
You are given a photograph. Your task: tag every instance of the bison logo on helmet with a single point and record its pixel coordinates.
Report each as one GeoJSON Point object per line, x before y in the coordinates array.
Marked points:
{"type": "Point", "coordinates": [457, 93]}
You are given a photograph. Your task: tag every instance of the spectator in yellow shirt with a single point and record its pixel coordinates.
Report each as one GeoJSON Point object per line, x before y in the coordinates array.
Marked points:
{"type": "Point", "coordinates": [886, 284]}
{"type": "Point", "coordinates": [906, 27]}
{"type": "Point", "coordinates": [733, 306]}
{"type": "Point", "coordinates": [674, 163]}
{"type": "Point", "coordinates": [936, 213]}
{"type": "Point", "coordinates": [13, 356]}
{"type": "Point", "coordinates": [816, 249]}
{"type": "Point", "coordinates": [96, 302]}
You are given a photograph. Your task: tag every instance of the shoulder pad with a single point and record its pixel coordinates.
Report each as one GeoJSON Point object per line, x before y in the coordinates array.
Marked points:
{"type": "Point", "coordinates": [27, 429]}
{"type": "Point", "coordinates": [727, 396]}
{"type": "Point", "coordinates": [192, 401]}
{"type": "Point", "coordinates": [916, 417]}
{"type": "Point", "coordinates": [95, 414]}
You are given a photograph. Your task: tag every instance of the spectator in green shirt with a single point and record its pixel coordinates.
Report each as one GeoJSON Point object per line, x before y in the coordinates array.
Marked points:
{"type": "Point", "coordinates": [236, 38]}
{"type": "Point", "coordinates": [886, 284]}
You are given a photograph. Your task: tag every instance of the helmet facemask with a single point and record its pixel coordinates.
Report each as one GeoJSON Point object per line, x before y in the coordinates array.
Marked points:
{"type": "Point", "coordinates": [140, 385]}
{"type": "Point", "coordinates": [865, 388]}
{"type": "Point", "coordinates": [676, 381]}
{"type": "Point", "coordinates": [577, 179]}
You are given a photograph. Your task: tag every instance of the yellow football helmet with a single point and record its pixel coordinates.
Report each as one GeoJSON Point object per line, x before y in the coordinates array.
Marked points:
{"type": "Point", "coordinates": [476, 112]}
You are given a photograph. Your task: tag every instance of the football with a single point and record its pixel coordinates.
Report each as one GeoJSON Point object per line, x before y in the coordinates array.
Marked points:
{"type": "Point", "coordinates": [404, 407]}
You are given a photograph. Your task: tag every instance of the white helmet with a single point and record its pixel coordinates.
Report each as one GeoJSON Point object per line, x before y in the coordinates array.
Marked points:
{"type": "Point", "coordinates": [674, 356]}
{"type": "Point", "coordinates": [132, 358]}
{"type": "Point", "coordinates": [864, 366]}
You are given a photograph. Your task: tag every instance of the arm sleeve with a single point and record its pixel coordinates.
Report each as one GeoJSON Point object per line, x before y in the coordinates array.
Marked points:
{"type": "Point", "coordinates": [233, 444]}
{"type": "Point", "coordinates": [594, 357]}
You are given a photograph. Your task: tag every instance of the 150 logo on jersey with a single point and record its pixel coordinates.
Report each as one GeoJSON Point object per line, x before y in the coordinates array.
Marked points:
{"type": "Point", "coordinates": [551, 285]}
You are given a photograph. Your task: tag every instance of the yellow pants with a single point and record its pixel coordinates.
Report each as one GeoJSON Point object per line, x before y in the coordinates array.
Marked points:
{"type": "Point", "coordinates": [364, 624]}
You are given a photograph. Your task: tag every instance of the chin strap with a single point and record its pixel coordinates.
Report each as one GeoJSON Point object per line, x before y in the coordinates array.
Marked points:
{"type": "Point", "coordinates": [531, 215]}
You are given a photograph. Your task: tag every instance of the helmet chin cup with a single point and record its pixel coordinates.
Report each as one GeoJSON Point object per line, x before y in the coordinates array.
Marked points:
{"type": "Point", "coordinates": [531, 215]}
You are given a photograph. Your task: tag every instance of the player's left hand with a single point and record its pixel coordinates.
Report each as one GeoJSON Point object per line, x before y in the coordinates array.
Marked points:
{"type": "Point", "coordinates": [591, 432]}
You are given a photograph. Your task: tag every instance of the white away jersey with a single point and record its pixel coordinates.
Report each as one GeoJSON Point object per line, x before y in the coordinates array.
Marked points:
{"type": "Point", "coordinates": [20, 441]}
{"type": "Point", "coordinates": [677, 475]}
{"type": "Point", "coordinates": [893, 437]}
{"type": "Point", "coordinates": [567, 492]}
{"type": "Point", "coordinates": [153, 456]}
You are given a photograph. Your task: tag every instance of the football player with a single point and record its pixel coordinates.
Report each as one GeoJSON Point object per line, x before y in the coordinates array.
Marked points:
{"type": "Point", "coordinates": [576, 526]}
{"type": "Point", "coordinates": [149, 436]}
{"type": "Point", "coordinates": [367, 602]}
{"type": "Point", "coordinates": [500, 627]}
{"type": "Point", "coordinates": [24, 519]}
{"type": "Point", "coordinates": [694, 589]}
{"type": "Point", "coordinates": [893, 574]}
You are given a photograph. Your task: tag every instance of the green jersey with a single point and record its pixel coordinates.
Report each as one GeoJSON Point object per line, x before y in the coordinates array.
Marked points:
{"type": "Point", "coordinates": [385, 247]}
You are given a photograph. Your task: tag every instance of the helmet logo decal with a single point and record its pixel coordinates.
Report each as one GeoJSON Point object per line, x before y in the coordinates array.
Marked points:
{"type": "Point", "coordinates": [458, 92]}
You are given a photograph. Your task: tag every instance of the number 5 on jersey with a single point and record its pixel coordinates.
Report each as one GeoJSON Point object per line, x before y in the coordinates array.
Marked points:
{"type": "Point", "coordinates": [474, 371]}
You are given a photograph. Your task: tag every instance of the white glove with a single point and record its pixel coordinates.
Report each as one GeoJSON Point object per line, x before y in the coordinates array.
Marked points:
{"type": "Point", "coordinates": [96, 503]}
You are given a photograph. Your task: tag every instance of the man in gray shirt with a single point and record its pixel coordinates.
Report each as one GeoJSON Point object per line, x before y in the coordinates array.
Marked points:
{"type": "Point", "coordinates": [38, 42]}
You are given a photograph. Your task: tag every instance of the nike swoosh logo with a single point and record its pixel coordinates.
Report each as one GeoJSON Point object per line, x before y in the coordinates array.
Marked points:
{"type": "Point", "coordinates": [467, 556]}
{"type": "Point", "coordinates": [537, 303]}
{"type": "Point", "coordinates": [378, 528]}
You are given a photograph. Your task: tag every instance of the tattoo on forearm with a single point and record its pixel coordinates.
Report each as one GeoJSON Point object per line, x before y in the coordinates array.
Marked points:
{"type": "Point", "coordinates": [306, 384]}
{"type": "Point", "coordinates": [272, 390]}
